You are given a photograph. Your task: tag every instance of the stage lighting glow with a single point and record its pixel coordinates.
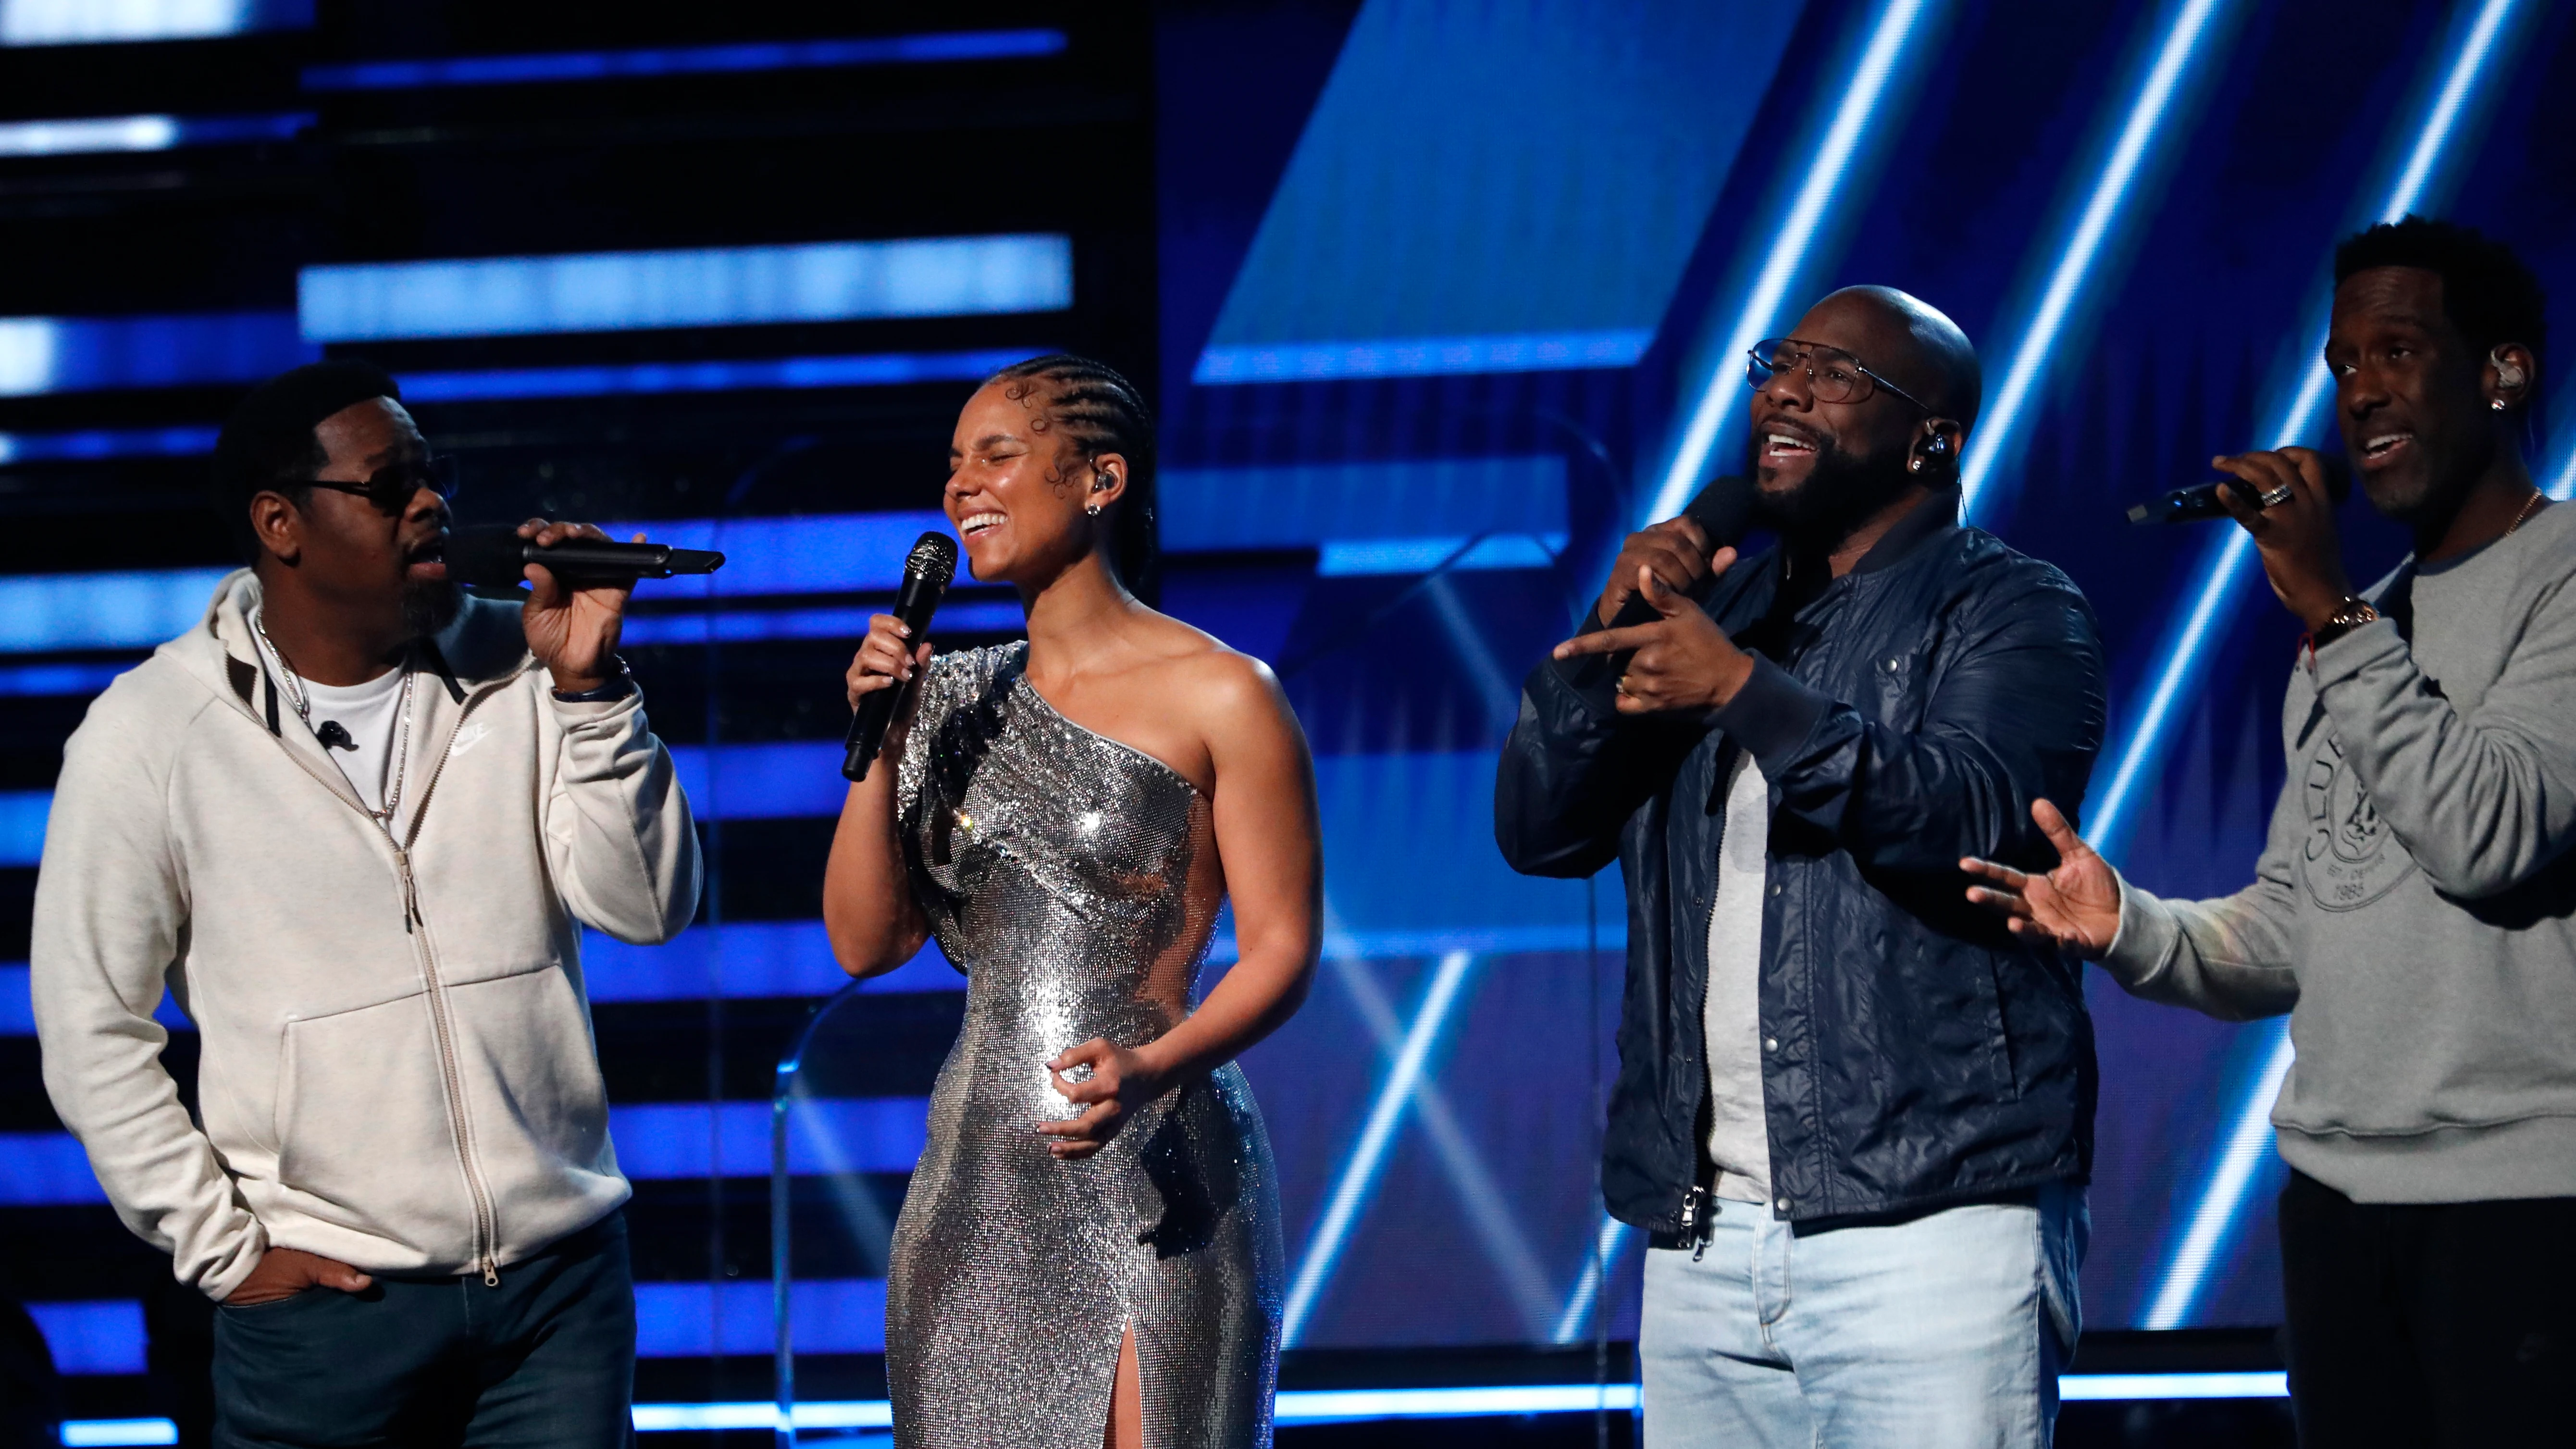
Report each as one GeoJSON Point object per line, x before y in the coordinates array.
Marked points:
{"type": "Point", "coordinates": [88, 134]}
{"type": "Point", "coordinates": [95, 443]}
{"type": "Point", "coordinates": [99, 1336]}
{"type": "Point", "coordinates": [574, 66]}
{"type": "Point", "coordinates": [42, 613]}
{"type": "Point", "coordinates": [699, 1319]}
{"type": "Point", "coordinates": [41, 355]}
{"type": "Point", "coordinates": [2240, 1162]}
{"type": "Point", "coordinates": [1368, 1157]}
{"type": "Point", "coordinates": [711, 287]}
{"type": "Point", "coordinates": [103, 1433]}
{"type": "Point", "coordinates": [92, 135]}
{"type": "Point", "coordinates": [2076, 254]}
{"type": "Point", "coordinates": [967, 616]}
{"type": "Point", "coordinates": [1718, 393]}
{"type": "Point", "coordinates": [660, 1141]}
{"type": "Point", "coordinates": [22, 826]}
{"type": "Point", "coordinates": [1612, 1237]}
{"type": "Point", "coordinates": [1360, 557]}
{"type": "Point", "coordinates": [95, 22]}
{"type": "Point", "coordinates": [1421, 356]}
{"type": "Point", "coordinates": [885, 369]}
{"type": "Point", "coordinates": [2081, 1388]}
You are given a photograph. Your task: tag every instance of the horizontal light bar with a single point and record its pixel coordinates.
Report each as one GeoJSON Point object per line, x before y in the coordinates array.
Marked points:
{"type": "Point", "coordinates": [84, 1433]}
{"type": "Point", "coordinates": [42, 613]}
{"type": "Point", "coordinates": [41, 681]}
{"type": "Point", "coordinates": [1345, 558]}
{"type": "Point", "coordinates": [95, 135]}
{"type": "Point", "coordinates": [886, 369]}
{"type": "Point", "coordinates": [95, 1337]}
{"type": "Point", "coordinates": [1207, 510]}
{"type": "Point", "coordinates": [826, 1135]}
{"type": "Point", "coordinates": [971, 616]}
{"type": "Point", "coordinates": [40, 355]}
{"type": "Point", "coordinates": [699, 1320]}
{"type": "Point", "coordinates": [45, 1169]}
{"type": "Point", "coordinates": [712, 287]}
{"type": "Point", "coordinates": [95, 22]}
{"type": "Point", "coordinates": [18, 1012]}
{"type": "Point", "coordinates": [1421, 356]}
{"type": "Point", "coordinates": [740, 959]}
{"type": "Point", "coordinates": [22, 826]}
{"type": "Point", "coordinates": [95, 443]}
{"type": "Point", "coordinates": [1327, 1406]}
{"type": "Point", "coordinates": [574, 66]}
{"type": "Point", "coordinates": [2077, 1388]}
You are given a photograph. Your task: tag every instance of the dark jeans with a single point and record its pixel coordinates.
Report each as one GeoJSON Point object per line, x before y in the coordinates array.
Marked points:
{"type": "Point", "coordinates": [2447, 1324]}
{"type": "Point", "coordinates": [545, 1359]}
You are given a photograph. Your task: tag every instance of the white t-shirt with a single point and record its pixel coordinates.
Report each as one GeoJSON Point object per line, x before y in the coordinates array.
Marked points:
{"type": "Point", "coordinates": [368, 714]}
{"type": "Point", "coordinates": [1739, 1139]}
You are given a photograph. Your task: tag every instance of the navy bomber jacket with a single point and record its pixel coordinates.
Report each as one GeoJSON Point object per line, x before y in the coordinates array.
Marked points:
{"type": "Point", "coordinates": [1917, 1055]}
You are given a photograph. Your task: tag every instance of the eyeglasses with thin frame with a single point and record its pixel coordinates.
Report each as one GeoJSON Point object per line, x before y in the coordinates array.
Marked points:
{"type": "Point", "coordinates": [1833, 375]}
{"type": "Point", "coordinates": [391, 487]}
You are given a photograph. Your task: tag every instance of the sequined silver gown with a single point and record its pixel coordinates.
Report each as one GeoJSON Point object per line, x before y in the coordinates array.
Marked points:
{"type": "Point", "coordinates": [1076, 882]}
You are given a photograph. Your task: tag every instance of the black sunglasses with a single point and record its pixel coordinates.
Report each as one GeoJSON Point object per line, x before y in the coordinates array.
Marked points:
{"type": "Point", "coordinates": [390, 488]}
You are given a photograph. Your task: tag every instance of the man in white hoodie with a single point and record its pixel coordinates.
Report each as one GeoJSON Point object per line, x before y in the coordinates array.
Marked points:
{"type": "Point", "coordinates": [354, 823]}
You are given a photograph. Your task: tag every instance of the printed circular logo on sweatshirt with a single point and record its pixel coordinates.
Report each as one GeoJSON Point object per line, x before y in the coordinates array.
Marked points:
{"type": "Point", "coordinates": [2350, 860]}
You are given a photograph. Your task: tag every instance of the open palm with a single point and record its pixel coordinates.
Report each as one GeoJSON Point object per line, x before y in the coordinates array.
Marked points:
{"type": "Point", "coordinates": [2075, 906]}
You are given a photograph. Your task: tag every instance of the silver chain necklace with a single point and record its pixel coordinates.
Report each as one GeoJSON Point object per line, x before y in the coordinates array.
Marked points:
{"type": "Point", "coordinates": [303, 703]}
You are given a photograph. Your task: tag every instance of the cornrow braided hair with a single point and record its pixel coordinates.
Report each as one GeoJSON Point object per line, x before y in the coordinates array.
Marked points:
{"type": "Point", "coordinates": [1098, 411]}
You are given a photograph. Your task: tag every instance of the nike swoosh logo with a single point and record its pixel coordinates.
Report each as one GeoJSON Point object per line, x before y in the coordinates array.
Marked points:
{"type": "Point", "coordinates": [468, 737]}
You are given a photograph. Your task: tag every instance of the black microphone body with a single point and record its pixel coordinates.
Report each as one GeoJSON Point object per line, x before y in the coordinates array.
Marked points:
{"type": "Point", "coordinates": [494, 556]}
{"type": "Point", "coordinates": [1724, 511]}
{"type": "Point", "coordinates": [926, 572]}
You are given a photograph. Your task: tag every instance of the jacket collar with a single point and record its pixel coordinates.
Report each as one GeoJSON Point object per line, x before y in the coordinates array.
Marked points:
{"type": "Point", "coordinates": [1937, 511]}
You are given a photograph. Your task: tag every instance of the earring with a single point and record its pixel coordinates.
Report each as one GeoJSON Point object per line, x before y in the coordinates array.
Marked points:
{"type": "Point", "coordinates": [1914, 465]}
{"type": "Point", "coordinates": [1093, 510]}
{"type": "Point", "coordinates": [2496, 403]}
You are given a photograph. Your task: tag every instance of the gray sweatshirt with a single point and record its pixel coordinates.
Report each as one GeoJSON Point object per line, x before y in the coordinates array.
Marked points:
{"type": "Point", "coordinates": [2414, 910]}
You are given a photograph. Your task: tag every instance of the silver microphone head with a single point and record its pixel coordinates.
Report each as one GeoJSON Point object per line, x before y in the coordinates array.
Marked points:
{"type": "Point", "coordinates": [933, 560]}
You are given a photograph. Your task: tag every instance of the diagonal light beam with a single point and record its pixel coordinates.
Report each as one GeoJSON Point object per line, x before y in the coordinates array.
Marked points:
{"type": "Point", "coordinates": [2112, 192]}
{"type": "Point", "coordinates": [2248, 1147]}
{"type": "Point", "coordinates": [1488, 1212]}
{"type": "Point", "coordinates": [1606, 1244]}
{"type": "Point", "coordinates": [1368, 1156]}
{"type": "Point", "coordinates": [1788, 244]}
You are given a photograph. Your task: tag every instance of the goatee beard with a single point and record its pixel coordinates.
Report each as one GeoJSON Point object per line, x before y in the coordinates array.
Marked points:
{"type": "Point", "coordinates": [430, 605]}
{"type": "Point", "coordinates": [1840, 493]}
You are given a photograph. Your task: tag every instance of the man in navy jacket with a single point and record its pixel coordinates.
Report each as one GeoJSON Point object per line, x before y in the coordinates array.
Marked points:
{"type": "Point", "coordinates": [1854, 1117]}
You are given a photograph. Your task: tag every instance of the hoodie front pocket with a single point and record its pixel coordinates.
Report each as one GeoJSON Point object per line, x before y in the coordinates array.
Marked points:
{"type": "Point", "coordinates": [363, 1132]}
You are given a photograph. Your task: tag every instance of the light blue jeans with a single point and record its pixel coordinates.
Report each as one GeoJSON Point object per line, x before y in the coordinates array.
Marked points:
{"type": "Point", "coordinates": [1946, 1331]}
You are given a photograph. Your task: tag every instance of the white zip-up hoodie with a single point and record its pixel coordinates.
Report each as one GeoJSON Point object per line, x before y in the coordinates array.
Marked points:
{"type": "Point", "coordinates": [397, 1067]}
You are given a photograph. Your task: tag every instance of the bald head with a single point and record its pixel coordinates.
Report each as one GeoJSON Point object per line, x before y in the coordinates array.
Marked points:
{"type": "Point", "coordinates": [1908, 341]}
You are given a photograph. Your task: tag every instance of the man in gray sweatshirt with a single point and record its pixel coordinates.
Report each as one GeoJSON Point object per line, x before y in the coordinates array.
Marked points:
{"type": "Point", "coordinates": [354, 823]}
{"type": "Point", "coordinates": [2414, 909]}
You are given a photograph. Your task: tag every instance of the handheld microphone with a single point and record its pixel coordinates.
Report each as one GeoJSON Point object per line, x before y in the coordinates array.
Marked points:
{"type": "Point", "coordinates": [2190, 505]}
{"type": "Point", "coordinates": [926, 572]}
{"type": "Point", "coordinates": [1724, 511]}
{"type": "Point", "coordinates": [494, 556]}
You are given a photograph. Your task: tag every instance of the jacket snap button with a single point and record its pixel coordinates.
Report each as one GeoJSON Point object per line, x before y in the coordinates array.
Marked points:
{"type": "Point", "coordinates": [1771, 1043]}
{"type": "Point", "coordinates": [1782, 1204]}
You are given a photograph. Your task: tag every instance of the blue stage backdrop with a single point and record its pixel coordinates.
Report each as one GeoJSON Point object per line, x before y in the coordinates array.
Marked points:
{"type": "Point", "coordinates": [1439, 298]}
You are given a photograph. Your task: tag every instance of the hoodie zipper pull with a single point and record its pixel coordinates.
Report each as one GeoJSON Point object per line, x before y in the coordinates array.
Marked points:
{"type": "Point", "coordinates": [411, 891]}
{"type": "Point", "coordinates": [491, 1272]}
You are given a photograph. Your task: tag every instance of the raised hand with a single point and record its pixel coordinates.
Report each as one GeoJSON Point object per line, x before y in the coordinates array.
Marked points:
{"type": "Point", "coordinates": [1676, 550]}
{"type": "Point", "coordinates": [1119, 1081]}
{"type": "Point", "coordinates": [2076, 906]}
{"type": "Point", "coordinates": [2301, 550]}
{"type": "Point", "coordinates": [1683, 660]}
{"type": "Point", "coordinates": [887, 659]}
{"type": "Point", "coordinates": [572, 629]}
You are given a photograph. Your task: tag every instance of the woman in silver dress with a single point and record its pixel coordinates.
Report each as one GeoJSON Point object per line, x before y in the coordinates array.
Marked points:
{"type": "Point", "coordinates": [1089, 1252]}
